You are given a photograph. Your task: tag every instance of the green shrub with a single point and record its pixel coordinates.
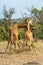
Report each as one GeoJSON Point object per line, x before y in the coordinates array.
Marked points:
{"type": "Point", "coordinates": [3, 33]}
{"type": "Point", "coordinates": [38, 33]}
{"type": "Point", "coordinates": [21, 33]}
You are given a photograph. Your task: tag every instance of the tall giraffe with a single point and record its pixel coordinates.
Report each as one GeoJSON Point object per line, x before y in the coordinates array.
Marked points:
{"type": "Point", "coordinates": [28, 34]}
{"type": "Point", "coordinates": [13, 35]}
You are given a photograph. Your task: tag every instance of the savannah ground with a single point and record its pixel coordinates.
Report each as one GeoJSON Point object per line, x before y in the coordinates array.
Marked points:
{"type": "Point", "coordinates": [21, 57]}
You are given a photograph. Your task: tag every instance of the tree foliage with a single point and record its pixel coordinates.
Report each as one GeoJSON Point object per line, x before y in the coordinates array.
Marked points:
{"type": "Point", "coordinates": [7, 16]}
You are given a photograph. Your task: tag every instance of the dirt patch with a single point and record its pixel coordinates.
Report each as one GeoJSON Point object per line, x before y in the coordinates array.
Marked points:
{"type": "Point", "coordinates": [22, 57]}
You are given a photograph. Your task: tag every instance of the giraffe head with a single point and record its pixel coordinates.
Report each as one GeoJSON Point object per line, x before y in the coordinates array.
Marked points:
{"type": "Point", "coordinates": [30, 21]}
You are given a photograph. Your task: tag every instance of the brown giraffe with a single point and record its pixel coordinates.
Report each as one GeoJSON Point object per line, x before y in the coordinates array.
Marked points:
{"type": "Point", "coordinates": [28, 34]}
{"type": "Point", "coordinates": [13, 35]}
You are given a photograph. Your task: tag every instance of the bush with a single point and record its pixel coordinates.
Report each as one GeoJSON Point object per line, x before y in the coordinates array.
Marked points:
{"type": "Point", "coordinates": [38, 33]}
{"type": "Point", "coordinates": [21, 33]}
{"type": "Point", "coordinates": [3, 33]}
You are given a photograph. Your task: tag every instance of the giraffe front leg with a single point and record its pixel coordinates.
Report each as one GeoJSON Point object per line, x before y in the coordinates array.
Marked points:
{"type": "Point", "coordinates": [7, 45]}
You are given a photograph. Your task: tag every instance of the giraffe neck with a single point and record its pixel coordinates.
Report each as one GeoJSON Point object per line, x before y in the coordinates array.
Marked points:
{"type": "Point", "coordinates": [28, 26]}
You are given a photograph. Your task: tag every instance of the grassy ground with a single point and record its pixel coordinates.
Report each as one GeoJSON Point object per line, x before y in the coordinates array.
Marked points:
{"type": "Point", "coordinates": [21, 57]}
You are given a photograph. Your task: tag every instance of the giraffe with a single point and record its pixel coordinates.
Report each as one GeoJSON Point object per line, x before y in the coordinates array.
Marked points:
{"type": "Point", "coordinates": [13, 35]}
{"type": "Point", "coordinates": [28, 34]}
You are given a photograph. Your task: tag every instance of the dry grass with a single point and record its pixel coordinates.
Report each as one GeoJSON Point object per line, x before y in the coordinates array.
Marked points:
{"type": "Point", "coordinates": [21, 57]}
